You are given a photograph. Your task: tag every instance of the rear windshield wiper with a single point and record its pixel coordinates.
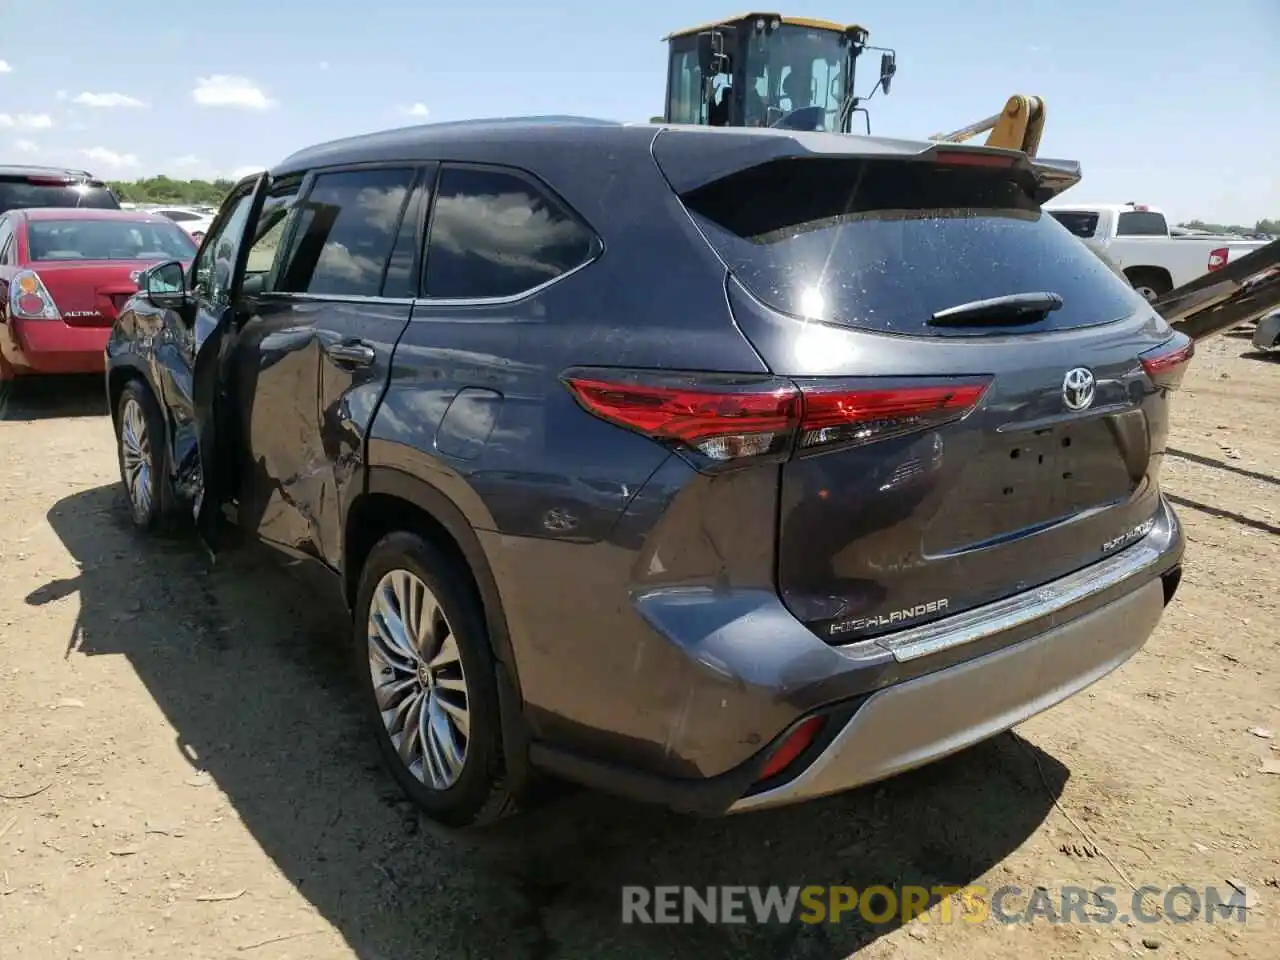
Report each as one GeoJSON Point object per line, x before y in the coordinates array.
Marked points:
{"type": "Point", "coordinates": [1012, 309]}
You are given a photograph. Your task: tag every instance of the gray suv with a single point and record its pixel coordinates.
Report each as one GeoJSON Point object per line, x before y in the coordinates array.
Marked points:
{"type": "Point", "coordinates": [720, 468]}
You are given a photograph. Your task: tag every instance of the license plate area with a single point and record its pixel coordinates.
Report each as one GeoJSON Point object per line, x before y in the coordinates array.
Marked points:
{"type": "Point", "coordinates": [1033, 477]}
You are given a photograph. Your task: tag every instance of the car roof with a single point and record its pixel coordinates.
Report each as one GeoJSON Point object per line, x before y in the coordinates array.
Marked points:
{"type": "Point", "coordinates": [89, 213]}
{"type": "Point", "coordinates": [494, 140]}
{"type": "Point", "coordinates": [16, 170]}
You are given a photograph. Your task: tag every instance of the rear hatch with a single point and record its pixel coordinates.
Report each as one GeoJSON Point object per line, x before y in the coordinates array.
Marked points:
{"type": "Point", "coordinates": [946, 459]}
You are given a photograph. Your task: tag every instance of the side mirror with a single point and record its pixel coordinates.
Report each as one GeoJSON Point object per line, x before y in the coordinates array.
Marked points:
{"type": "Point", "coordinates": [165, 285]}
{"type": "Point", "coordinates": [888, 67]}
{"type": "Point", "coordinates": [710, 52]}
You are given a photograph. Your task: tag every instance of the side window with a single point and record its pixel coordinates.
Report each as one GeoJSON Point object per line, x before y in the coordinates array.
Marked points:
{"type": "Point", "coordinates": [6, 241]}
{"type": "Point", "coordinates": [686, 104]}
{"type": "Point", "coordinates": [401, 281]}
{"type": "Point", "coordinates": [347, 226]}
{"type": "Point", "coordinates": [497, 234]}
{"type": "Point", "coordinates": [217, 260]}
{"type": "Point", "coordinates": [272, 225]}
{"type": "Point", "coordinates": [1142, 224]}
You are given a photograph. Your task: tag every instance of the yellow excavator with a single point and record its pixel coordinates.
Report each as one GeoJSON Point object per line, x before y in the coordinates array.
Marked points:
{"type": "Point", "coordinates": [771, 70]}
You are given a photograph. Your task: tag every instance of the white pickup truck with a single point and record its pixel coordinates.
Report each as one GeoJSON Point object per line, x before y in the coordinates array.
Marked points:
{"type": "Point", "coordinates": [1136, 238]}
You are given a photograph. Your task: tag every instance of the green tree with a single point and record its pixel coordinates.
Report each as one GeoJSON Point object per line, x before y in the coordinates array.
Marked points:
{"type": "Point", "coordinates": [162, 189]}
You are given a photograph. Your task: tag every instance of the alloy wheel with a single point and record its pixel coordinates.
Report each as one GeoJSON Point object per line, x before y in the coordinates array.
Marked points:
{"type": "Point", "coordinates": [135, 456]}
{"type": "Point", "coordinates": [418, 679]}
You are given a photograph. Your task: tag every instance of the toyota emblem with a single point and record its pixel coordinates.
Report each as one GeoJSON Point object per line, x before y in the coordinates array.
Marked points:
{"type": "Point", "coordinates": [1078, 388]}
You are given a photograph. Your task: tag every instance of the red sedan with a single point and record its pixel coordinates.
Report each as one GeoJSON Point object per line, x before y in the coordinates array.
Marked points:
{"type": "Point", "coordinates": [65, 273]}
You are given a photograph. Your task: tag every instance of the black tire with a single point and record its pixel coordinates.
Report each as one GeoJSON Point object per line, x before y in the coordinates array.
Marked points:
{"type": "Point", "coordinates": [160, 514]}
{"type": "Point", "coordinates": [1150, 283]}
{"type": "Point", "coordinates": [479, 795]}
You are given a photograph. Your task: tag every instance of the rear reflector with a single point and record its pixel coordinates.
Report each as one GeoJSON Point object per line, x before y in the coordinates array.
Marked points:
{"type": "Point", "coordinates": [795, 743]}
{"type": "Point", "coordinates": [732, 417]}
{"type": "Point", "coordinates": [1218, 258]}
{"type": "Point", "coordinates": [1167, 363]}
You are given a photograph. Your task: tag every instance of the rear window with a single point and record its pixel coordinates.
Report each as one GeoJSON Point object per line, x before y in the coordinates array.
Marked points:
{"type": "Point", "coordinates": [1080, 223]}
{"type": "Point", "coordinates": [108, 240]}
{"type": "Point", "coordinates": [882, 245]}
{"type": "Point", "coordinates": [22, 193]}
{"type": "Point", "coordinates": [1141, 223]}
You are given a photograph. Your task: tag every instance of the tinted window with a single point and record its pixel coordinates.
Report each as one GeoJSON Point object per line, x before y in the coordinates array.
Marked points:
{"type": "Point", "coordinates": [108, 240]}
{"type": "Point", "coordinates": [402, 273]}
{"type": "Point", "coordinates": [347, 225]}
{"type": "Point", "coordinates": [270, 231]}
{"type": "Point", "coordinates": [497, 234]}
{"type": "Point", "coordinates": [179, 216]}
{"type": "Point", "coordinates": [217, 258]}
{"type": "Point", "coordinates": [1080, 223]}
{"type": "Point", "coordinates": [1141, 224]}
{"type": "Point", "coordinates": [882, 245]}
{"type": "Point", "coordinates": [15, 193]}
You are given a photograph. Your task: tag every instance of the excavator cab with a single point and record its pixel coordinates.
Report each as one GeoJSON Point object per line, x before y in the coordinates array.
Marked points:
{"type": "Point", "coordinates": [767, 70]}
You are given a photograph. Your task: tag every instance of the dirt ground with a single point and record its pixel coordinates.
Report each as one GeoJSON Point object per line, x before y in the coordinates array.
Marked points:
{"type": "Point", "coordinates": [183, 773]}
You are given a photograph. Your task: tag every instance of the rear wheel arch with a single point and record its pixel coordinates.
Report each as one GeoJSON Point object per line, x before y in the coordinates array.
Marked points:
{"type": "Point", "coordinates": [394, 500]}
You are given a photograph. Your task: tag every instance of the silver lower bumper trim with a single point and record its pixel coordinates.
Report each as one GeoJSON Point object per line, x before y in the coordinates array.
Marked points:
{"type": "Point", "coordinates": [921, 720]}
{"type": "Point", "coordinates": [1023, 608]}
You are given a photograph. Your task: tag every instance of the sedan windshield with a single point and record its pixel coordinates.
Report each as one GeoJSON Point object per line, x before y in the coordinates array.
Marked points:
{"type": "Point", "coordinates": [108, 240]}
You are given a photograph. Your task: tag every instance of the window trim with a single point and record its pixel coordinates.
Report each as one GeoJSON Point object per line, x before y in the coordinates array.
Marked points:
{"type": "Point", "coordinates": [305, 187]}
{"type": "Point", "coordinates": [425, 300]}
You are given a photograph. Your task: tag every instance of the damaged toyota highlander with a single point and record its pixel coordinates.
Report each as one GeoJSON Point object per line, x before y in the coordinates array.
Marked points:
{"type": "Point", "coordinates": [720, 468]}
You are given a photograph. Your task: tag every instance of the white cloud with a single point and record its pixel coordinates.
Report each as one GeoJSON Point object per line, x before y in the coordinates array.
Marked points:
{"type": "Point", "coordinates": [26, 146]}
{"type": "Point", "coordinates": [26, 121]}
{"type": "Point", "coordinates": [108, 100]}
{"type": "Point", "coordinates": [4, 67]}
{"type": "Point", "coordinates": [221, 90]}
{"type": "Point", "coordinates": [324, 64]}
{"type": "Point", "coordinates": [111, 159]}
{"type": "Point", "coordinates": [190, 160]}
{"type": "Point", "coordinates": [60, 95]}
{"type": "Point", "coordinates": [416, 110]}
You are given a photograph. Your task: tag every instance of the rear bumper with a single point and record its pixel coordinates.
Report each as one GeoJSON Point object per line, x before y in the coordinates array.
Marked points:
{"type": "Point", "coordinates": [51, 346]}
{"type": "Point", "coordinates": [913, 723]}
{"type": "Point", "coordinates": [892, 703]}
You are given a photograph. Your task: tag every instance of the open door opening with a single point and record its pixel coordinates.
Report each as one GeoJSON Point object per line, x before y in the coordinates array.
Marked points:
{"type": "Point", "coordinates": [219, 280]}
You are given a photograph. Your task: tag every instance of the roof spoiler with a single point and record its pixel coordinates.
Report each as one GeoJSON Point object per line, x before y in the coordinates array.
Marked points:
{"type": "Point", "coordinates": [1054, 177]}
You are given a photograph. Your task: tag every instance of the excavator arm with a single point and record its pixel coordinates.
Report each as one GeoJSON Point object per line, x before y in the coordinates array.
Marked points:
{"type": "Point", "coordinates": [1017, 127]}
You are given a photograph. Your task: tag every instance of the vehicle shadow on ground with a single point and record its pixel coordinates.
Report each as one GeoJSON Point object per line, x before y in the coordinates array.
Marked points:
{"type": "Point", "coordinates": [251, 672]}
{"type": "Point", "coordinates": [53, 397]}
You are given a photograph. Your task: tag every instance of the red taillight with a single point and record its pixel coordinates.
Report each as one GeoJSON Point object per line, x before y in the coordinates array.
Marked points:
{"type": "Point", "coordinates": [731, 417]}
{"type": "Point", "coordinates": [796, 743]}
{"type": "Point", "coordinates": [50, 181]}
{"type": "Point", "coordinates": [835, 415]}
{"type": "Point", "coordinates": [1218, 258]}
{"type": "Point", "coordinates": [721, 418]}
{"type": "Point", "coordinates": [1167, 363]}
{"type": "Point", "coordinates": [29, 299]}
{"type": "Point", "coordinates": [966, 159]}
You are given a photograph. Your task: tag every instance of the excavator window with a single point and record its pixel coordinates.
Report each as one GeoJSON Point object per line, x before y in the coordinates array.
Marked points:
{"type": "Point", "coordinates": [795, 68]}
{"type": "Point", "coordinates": [686, 104]}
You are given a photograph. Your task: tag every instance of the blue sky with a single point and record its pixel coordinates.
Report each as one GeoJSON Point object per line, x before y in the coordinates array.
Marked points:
{"type": "Point", "coordinates": [1171, 102]}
